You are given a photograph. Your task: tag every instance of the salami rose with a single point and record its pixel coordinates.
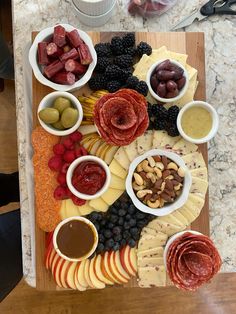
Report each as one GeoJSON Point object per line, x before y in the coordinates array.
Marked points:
{"type": "Point", "coordinates": [192, 260]}
{"type": "Point", "coordinates": [121, 117]}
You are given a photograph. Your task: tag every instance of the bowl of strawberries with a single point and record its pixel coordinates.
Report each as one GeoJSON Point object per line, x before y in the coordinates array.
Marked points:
{"type": "Point", "coordinates": [62, 57]}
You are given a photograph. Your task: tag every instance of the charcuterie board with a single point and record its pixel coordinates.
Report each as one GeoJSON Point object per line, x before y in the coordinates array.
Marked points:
{"type": "Point", "coordinates": [191, 44]}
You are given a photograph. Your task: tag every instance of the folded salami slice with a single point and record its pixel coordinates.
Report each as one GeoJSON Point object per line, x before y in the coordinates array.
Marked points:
{"type": "Point", "coordinates": [192, 260]}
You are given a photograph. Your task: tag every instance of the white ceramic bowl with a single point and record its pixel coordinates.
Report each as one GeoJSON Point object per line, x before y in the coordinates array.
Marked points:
{"type": "Point", "coordinates": [95, 20]}
{"type": "Point", "coordinates": [173, 238]}
{"type": "Point", "coordinates": [182, 91]}
{"type": "Point", "coordinates": [94, 7]}
{"type": "Point", "coordinates": [33, 59]}
{"type": "Point", "coordinates": [215, 122]}
{"type": "Point", "coordinates": [58, 227]}
{"type": "Point", "coordinates": [71, 169]}
{"type": "Point", "coordinates": [167, 209]}
{"type": "Point", "coordinates": [47, 102]}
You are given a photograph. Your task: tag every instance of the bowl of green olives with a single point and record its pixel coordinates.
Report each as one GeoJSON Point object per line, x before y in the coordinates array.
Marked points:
{"type": "Point", "coordinates": [60, 113]}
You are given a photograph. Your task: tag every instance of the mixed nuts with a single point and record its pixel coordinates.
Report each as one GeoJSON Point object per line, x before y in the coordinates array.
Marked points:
{"type": "Point", "coordinates": [158, 180]}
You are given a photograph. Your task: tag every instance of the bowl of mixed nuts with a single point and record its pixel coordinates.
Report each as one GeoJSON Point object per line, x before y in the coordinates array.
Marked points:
{"type": "Point", "coordinates": [158, 182]}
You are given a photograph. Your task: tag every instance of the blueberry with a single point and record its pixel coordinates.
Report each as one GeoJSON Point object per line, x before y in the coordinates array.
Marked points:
{"type": "Point", "coordinates": [99, 216]}
{"type": "Point", "coordinates": [100, 248]}
{"type": "Point", "coordinates": [97, 226]}
{"type": "Point", "coordinates": [116, 230]}
{"type": "Point", "coordinates": [116, 246]}
{"type": "Point", "coordinates": [141, 224]}
{"type": "Point", "coordinates": [131, 209]}
{"type": "Point", "coordinates": [122, 242]}
{"type": "Point", "coordinates": [136, 236]}
{"type": "Point", "coordinates": [127, 217]}
{"type": "Point", "coordinates": [107, 233]}
{"type": "Point", "coordinates": [113, 210]}
{"type": "Point", "coordinates": [103, 222]}
{"type": "Point", "coordinates": [117, 237]}
{"type": "Point", "coordinates": [132, 243]}
{"type": "Point", "coordinates": [94, 216]}
{"type": "Point", "coordinates": [134, 231]}
{"type": "Point", "coordinates": [101, 237]}
{"type": "Point", "coordinates": [125, 206]}
{"type": "Point", "coordinates": [140, 215]}
{"type": "Point", "coordinates": [132, 222]}
{"type": "Point", "coordinates": [114, 218]}
{"type": "Point", "coordinates": [109, 243]}
{"type": "Point", "coordinates": [110, 225]}
{"type": "Point", "coordinates": [121, 221]}
{"type": "Point", "coordinates": [121, 212]}
{"type": "Point", "coordinates": [126, 225]}
{"type": "Point", "coordinates": [126, 234]}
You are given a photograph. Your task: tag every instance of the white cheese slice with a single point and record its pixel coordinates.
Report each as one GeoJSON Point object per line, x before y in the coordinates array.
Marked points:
{"type": "Point", "coordinates": [131, 150]}
{"type": "Point", "coordinates": [194, 204]}
{"type": "Point", "coordinates": [144, 142]}
{"type": "Point", "coordinates": [147, 244]}
{"type": "Point", "coordinates": [63, 210]}
{"type": "Point", "coordinates": [164, 226]}
{"type": "Point", "coordinates": [188, 214]}
{"type": "Point", "coordinates": [168, 142]}
{"type": "Point", "coordinates": [194, 161]}
{"type": "Point", "coordinates": [152, 276]}
{"type": "Point", "coordinates": [178, 215]}
{"type": "Point", "coordinates": [157, 138]}
{"type": "Point", "coordinates": [150, 261]}
{"type": "Point", "coordinates": [122, 159]}
{"type": "Point", "coordinates": [172, 220]}
{"type": "Point", "coordinates": [156, 252]}
{"type": "Point", "coordinates": [200, 173]}
{"type": "Point", "coordinates": [149, 231]}
{"type": "Point", "coordinates": [199, 187]}
{"type": "Point", "coordinates": [183, 147]}
{"type": "Point", "coordinates": [72, 209]}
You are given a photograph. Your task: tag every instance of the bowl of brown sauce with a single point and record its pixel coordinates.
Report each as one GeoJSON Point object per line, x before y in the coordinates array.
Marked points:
{"type": "Point", "coordinates": [75, 238]}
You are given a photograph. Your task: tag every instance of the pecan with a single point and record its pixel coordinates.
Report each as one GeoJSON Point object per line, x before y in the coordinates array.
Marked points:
{"type": "Point", "coordinates": [165, 173]}
{"type": "Point", "coordinates": [164, 161]}
{"type": "Point", "coordinates": [157, 158]}
{"type": "Point", "coordinates": [143, 175]}
{"type": "Point", "coordinates": [157, 184]}
{"type": "Point", "coordinates": [166, 197]}
{"type": "Point", "coordinates": [169, 185]}
{"type": "Point", "coordinates": [147, 197]}
{"type": "Point", "coordinates": [177, 177]}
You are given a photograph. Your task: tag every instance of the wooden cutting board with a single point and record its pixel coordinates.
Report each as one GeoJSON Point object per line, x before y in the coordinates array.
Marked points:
{"type": "Point", "coordinates": [191, 44]}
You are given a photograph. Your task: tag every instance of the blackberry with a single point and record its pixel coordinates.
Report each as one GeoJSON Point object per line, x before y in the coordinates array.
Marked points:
{"type": "Point", "coordinates": [123, 61]}
{"type": "Point", "coordinates": [113, 72]}
{"type": "Point", "coordinates": [130, 51]}
{"type": "Point", "coordinates": [124, 76]}
{"type": "Point", "coordinates": [149, 108]}
{"type": "Point", "coordinates": [160, 112]}
{"type": "Point", "coordinates": [113, 86]}
{"type": "Point", "coordinates": [159, 124]}
{"type": "Point", "coordinates": [102, 64]}
{"type": "Point", "coordinates": [97, 82]}
{"type": "Point", "coordinates": [142, 88]}
{"type": "Point", "coordinates": [151, 125]}
{"type": "Point", "coordinates": [173, 113]}
{"type": "Point", "coordinates": [173, 131]}
{"type": "Point", "coordinates": [128, 40]}
{"type": "Point", "coordinates": [117, 46]}
{"type": "Point", "coordinates": [144, 48]}
{"type": "Point", "coordinates": [132, 82]}
{"type": "Point", "coordinates": [103, 50]}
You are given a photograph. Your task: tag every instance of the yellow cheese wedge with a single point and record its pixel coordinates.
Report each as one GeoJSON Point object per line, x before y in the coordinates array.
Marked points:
{"type": "Point", "coordinates": [72, 209]}
{"type": "Point", "coordinates": [98, 204]}
{"type": "Point", "coordinates": [63, 210]}
{"type": "Point", "coordinates": [85, 209]}
{"type": "Point", "coordinates": [117, 183]}
{"type": "Point", "coordinates": [122, 158]}
{"type": "Point", "coordinates": [131, 150]}
{"type": "Point", "coordinates": [199, 187]}
{"type": "Point", "coordinates": [177, 214]}
{"type": "Point", "coordinates": [110, 153]}
{"type": "Point", "coordinates": [116, 169]}
{"type": "Point", "coordinates": [111, 195]}
{"type": "Point", "coordinates": [188, 214]}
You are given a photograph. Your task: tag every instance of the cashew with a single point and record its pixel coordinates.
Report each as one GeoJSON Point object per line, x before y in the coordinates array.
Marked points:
{"type": "Point", "coordinates": [155, 204]}
{"type": "Point", "coordinates": [146, 167]}
{"type": "Point", "coordinates": [141, 194]}
{"type": "Point", "coordinates": [158, 172]}
{"type": "Point", "coordinates": [138, 179]}
{"type": "Point", "coordinates": [181, 172]}
{"type": "Point", "coordinates": [170, 177]}
{"type": "Point", "coordinates": [151, 161]}
{"type": "Point", "coordinates": [163, 185]}
{"type": "Point", "coordinates": [139, 167]}
{"type": "Point", "coordinates": [151, 176]}
{"type": "Point", "coordinates": [177, 187]}
{"type": "Point", "coordinates": [137, 187]}
{"type": "Point", "coordinates": [173, 166]}
{"type": "Point", "coordinates": [160, 165]}
{"type": "Point", "coordinates": [162, 202]}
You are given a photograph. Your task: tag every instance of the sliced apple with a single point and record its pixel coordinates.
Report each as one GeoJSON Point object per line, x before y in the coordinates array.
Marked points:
{"type": "Point", "coordinates": [98, 271]}
{"type": "Point", "coordinates": [54, 263]}
{"type": "Point", "coordinates": [51, 257]}
{"type": "Point", "coordinates": [106, 269]}
{"type": "Point", "coordinates": [86, 273]}
{"type": "Point", "coordinates": [71, 275]}
{"type": "Point", "coordinates": [124, 259]}
{"type": "Point", "coordinates": [80, 274]}
{"type": "Point", "coordinates": [76, 281]}
{"type": "Point", "coordinates": [48, 253]}
{"type": "Point", "coordinates": [118, 265]}
{"type": "Point", "coordinates": [133, 259]}
{"type": "Point", "coordinates": [98, 284]}
{"type": "Point", "coordinates": [63, 273]}
{"type": "Point", "coordinates": [115, 270]}
{"type": "Point", "coordinates": [87, 129]}
{"type": "Point", "coordinates": [57, 269]}
{"type": "Point", "coordinates": [95, 146]}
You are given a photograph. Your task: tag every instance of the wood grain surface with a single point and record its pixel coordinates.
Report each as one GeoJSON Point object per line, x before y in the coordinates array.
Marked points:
{"type": "Point", "coordinates": [191, 44]}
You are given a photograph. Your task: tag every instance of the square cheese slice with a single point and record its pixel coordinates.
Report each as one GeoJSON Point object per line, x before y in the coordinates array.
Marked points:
{"type": "Point", "coordinates": [178, 215]}
{"type": "Point", "coordinates": [195, 204]}
{"type": "Point", "coordinates": [131, 150]}
{"type": "Point", "coordinates": [144, 142]}
{"type": "Point", "coordinates": [111, 195]}
{"type": "Point", "coordinates": [194, 161]}
{"type": "Point", "coordinates": [152, 276]}
{"type": "Point", "coordinates": [200, 173]}
{"type": "Point", "coordinates": [117, 170]}
{"type": "Point", "coordinates": [122, 158]}
{"type": "Point", "coordinates": [157, 138]}
{"type": "Point", "coordinates": [199, 187]}
{"type": "Point", "coordinates": [165, 227]}
{"type": "Point", "coordinates": [183, 147]}
{"type": "Point", "coordinates": [98, 204]}
{"type": "Point", "coordinates": [188, 214]}
{"type": "Point", "coordinates": [117, 183]}
{"type": "Point", "coordinates": [156, 252]}
{"type": "Point", "coordinates": [147, 244]}
{"type": "Point", "coordinates": [150, 261]}
{"type": "Point", "coordinates": [168, 142]}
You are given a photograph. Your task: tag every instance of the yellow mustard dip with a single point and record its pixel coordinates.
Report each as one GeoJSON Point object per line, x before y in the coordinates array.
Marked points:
{"type": "Point", "coordinates": [196, 122]}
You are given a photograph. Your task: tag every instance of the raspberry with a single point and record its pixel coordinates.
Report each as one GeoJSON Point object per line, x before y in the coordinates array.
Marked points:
{"type": "Point", "coordinates": [60, 193]}
{"type": "Point", "coordinates": [65, 167]}
{"type": "Point", "coordinates": [80, 151]}
{"type": "Point", "coordinates": [68, 143]}
{"type": "Point", "coordinates": [69, 156]}
{"type": "Point", "coordinates": [76, 136]}
{"type": "Point", "coordinates": [77, 201]}
{"type": "Point", "coordinates": [55, 163]}
{"type": "Point", "coordinates": [68, 192]}
{"type": "Point", "coordinates": [61, 178]}
{"type": "Point", "coordinates": [58, 149]}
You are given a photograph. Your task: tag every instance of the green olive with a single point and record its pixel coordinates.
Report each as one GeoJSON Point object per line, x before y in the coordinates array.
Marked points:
{"type": "Point", "coordinates": [61, 103]}
{"type": "Point", "coordinates": [49, 115]}
{"type": "Point", "coordinates": [69, 117]}
{"type": "Point", "coordinates": [58, 125]}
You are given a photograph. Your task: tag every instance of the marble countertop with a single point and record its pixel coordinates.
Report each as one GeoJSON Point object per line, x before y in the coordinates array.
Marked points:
{"type": "Point", "coordinates": [220, 34]}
